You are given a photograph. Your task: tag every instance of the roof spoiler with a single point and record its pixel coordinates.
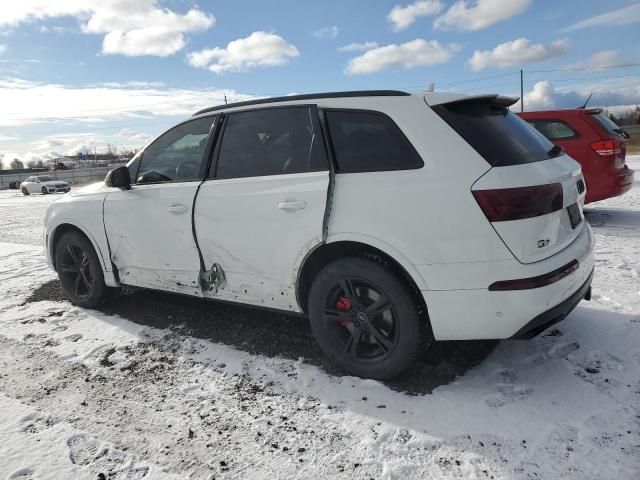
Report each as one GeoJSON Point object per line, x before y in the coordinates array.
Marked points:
{"type": "Point", "coordinates": [449, 98]}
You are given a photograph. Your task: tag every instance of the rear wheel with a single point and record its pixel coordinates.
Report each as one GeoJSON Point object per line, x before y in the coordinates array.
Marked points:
{"type": "Point", "coordinates": [44, 190]}
{"type": "Point", "coordinates": [79, 271]}
{"type": "Point", "coordinates": [25, 191]}
{"type": "Point", "coordinates": [366, 319]}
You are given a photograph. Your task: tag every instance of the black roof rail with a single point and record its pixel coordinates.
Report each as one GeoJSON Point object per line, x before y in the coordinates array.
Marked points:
{"type": "Point", "coordinates": [309, 96]}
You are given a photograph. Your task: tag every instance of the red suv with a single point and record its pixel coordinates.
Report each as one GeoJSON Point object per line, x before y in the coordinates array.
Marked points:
{"type": "Point", "coordinates": [594, 141]}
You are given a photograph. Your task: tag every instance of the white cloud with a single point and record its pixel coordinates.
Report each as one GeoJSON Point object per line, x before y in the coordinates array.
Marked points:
{"type": "Point", "coordinates": [517, 52]}
{"type": "Point", "coordinates": [403, 16]}
{"type": "Point", "coordinates": [603, 59]}
{"type": "Point", "coordinates": [260, 49]}
{"type": "Point", "coordinates": [358, 47]}
{"type": "Point", "coordinates": [22, 102]}
{"type": "Point", "coordinates": [617, 94]}
{"type": "Point", "coordinates": [3, 48]}
{"type": "Point", "coordinates": [326, 32]}
{"type": "Point", "coordinates": [624, 16]}
{"type": "Point", "coordinates": [467, 15]}
{"type": "Point", "coordinates": [417, 53]}
{"type": "Point", "coordinates": [130, 27]}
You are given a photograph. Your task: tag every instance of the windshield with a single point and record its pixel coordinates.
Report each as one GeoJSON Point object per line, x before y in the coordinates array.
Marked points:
{"type": "Point", "coordinates": [45, 178]}
{"type": "Point", "coordinates": [496, 133]}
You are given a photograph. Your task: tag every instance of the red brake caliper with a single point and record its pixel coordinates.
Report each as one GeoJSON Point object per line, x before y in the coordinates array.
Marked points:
{"type": "Point", "coordinates": [344, 305]}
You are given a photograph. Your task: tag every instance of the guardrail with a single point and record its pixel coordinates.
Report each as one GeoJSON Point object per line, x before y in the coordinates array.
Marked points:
{"type": "Point", "coordinates": [72, 176]}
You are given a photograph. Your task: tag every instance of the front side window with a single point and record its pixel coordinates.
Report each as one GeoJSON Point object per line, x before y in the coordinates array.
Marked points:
{"type": "Point", "coordinates": [554, 129]}
{"type": "Point", "coordinates": [45, 178]}
{"type": "Point", "coordinates": [273, 141]}
{"type": "Point", "coordinates": [175, 156]}
{"type": "Point", "coordinates": [366, 141]}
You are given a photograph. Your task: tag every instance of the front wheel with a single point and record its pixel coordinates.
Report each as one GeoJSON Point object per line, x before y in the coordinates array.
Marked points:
{"type": "Point", "coordinates": [366, 318]}
{"type": "Point", "coordinates": [25, 191]}
{"type": "Point", "coordinates": [79, 271]}
{"type": "Point", "coordinates": [44, 190]}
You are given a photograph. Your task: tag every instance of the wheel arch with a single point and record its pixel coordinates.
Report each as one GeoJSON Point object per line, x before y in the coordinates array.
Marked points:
{"type": "Point", "coordinates": [64, 227]}
{"type": "Point", "coordinates": [341, 246]}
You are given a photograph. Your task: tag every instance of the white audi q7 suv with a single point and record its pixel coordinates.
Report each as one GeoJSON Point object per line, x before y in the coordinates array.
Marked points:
{"type": "Point", "coordinates": [389, 219]}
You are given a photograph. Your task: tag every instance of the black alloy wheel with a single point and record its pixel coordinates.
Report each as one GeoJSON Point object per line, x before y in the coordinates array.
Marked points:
{"type": "Point", "coordinates": [77, 271]}
{"type": "Point", "coordinates": [361, 319]}
{"type": "Point", "coordinates": [80, 271]}
{"type": "Point", "coordinates": [366, 318]}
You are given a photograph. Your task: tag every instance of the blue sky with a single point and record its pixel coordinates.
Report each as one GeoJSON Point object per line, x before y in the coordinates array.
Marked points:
{"type": "Point", "coordinates": [76, 74]}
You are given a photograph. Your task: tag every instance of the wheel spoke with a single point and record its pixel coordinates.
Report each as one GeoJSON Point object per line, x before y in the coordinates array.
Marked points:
{"type": "Point", "coordinates": [351, 348]}
{"type": "Point", "coordinates": [68, 268]}
{"type": "Point", "coordinates": [86, 281]}
{"type": "Point", "coordinates": [76, 284]}
{"type": "Point", "coordinates": [73, 254]}
{"type": "Point", "coordinates": [347, 288]}
{"type": "Point", "coordinates": [379, 306]}
{"type": "Point", "coordinates": [380, 339]}
{"type": "Point", "coordinates": [333, 315]}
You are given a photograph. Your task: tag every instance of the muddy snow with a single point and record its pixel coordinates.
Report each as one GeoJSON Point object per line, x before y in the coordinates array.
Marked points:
{"type": "Point", "coordinates": [157, 386]}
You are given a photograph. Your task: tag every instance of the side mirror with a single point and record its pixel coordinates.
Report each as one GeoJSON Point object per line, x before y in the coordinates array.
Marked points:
{"type": "Point", "coordinates": [118, 177]}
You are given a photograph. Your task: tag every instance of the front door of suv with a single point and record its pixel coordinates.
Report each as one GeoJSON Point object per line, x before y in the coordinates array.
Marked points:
{"type": "Point", "coordinates": [263, 204]}
{"type": "Point", "coordinates": [149, 227]}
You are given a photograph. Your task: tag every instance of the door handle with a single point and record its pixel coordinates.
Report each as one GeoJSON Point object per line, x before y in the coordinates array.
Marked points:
{"type": "Point", "coordinates": [178, 208]}
{"type": "Point", "coordinates": [298, 205]}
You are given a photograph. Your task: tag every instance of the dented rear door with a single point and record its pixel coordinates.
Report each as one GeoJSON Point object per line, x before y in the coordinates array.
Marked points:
{"type": "Point", "coordinates": [261, 210]}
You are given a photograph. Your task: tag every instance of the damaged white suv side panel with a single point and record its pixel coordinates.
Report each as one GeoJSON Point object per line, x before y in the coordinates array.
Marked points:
{"type": "Point", "coordinates": [389, 219]}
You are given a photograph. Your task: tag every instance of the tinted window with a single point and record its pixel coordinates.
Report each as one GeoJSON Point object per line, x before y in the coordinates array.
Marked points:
{"type": "Point", "coordinates": [45, 178]}
{"type": "Point", "coordinates": [175, 155]}
{"type": "Point", "coordinates": [369, 142]}
{"type": "Point", "coordinates": [497, 134]}
{"type": "Point", "coordinates": [271, 142]}
{"type": "Point", "coordinates": [605, 122]}
{"type": "Point", "coordinates": [554, 129]}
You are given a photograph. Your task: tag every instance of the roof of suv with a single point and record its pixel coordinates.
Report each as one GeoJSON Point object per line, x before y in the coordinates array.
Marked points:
{"type": "Point", "coordinates": [310, 96]}
{"type": "Point", "coordinates": [432, 98]}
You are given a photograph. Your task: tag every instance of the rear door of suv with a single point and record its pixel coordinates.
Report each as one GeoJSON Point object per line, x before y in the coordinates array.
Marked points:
{"type": "Point", "coordinates": [262, 206]}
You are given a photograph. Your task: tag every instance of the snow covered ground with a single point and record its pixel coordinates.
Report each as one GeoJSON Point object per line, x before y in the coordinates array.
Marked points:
{"type": "Point", "coordinates": [86, 394]}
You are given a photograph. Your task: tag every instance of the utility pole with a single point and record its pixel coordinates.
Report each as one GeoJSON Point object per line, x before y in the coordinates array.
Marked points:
{"type": "Point", "coordinates": [521, 92]}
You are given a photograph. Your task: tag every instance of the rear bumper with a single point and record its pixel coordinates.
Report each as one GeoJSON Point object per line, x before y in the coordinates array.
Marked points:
{"type": "Point", "coordinates": [478, 313]}
{"type": "Point", "coordinates": [611, 186]}
{"type": "Point", "coordinates": [555, 314]}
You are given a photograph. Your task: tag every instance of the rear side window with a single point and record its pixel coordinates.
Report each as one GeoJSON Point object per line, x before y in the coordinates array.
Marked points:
{"type": "Point", "coordinates": [272, 141]}
{"type": "Point", "coordinates": [496, 133]}
{"type": "Point", "coordinates": [607, 124]}
{"type": "Point", "coordinates": [366, 141]}
{"type": "Point", "coordinates": [554, 129]}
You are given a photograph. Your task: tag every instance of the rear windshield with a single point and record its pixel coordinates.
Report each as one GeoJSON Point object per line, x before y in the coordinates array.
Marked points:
{"type": "Point", "coordinates": [605, 122]}
{"type": "Point", "coordinates": [497, 134]}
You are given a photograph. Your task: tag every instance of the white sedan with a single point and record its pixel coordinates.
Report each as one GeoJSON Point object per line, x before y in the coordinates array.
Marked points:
{"type": "Point", "coordinates": [43, 184]}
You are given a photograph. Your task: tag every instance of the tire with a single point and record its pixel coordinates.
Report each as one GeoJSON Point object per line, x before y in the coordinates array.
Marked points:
{"type": "Point", "coordinates": [25, 191]}
{"type": "Point", "coordinates": [80, 271]}
{"type": "Point", "coordinates": [45, 191]}
{"type": "Point", "coordinates": [347, 307]}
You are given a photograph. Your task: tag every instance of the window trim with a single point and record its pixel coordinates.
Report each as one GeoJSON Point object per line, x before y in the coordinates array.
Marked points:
{"type": "Point", "coordinates": [333, 155]}
{"type": "Point", "coordinates": [204, 161]}
{"type": "Point", "coordinates": [575, 136]}
{"type": "Point", "coordinates": [212, 172]}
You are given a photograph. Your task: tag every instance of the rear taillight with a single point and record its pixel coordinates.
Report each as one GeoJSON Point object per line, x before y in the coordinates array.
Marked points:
{"type": "Point", "coordinates": [500, 205]}
{"type": "Point", "coordinates": [609, 148]}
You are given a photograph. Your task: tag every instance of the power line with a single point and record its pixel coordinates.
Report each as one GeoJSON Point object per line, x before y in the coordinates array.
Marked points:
{"type": "Point", "coordinates": [571, 69]}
